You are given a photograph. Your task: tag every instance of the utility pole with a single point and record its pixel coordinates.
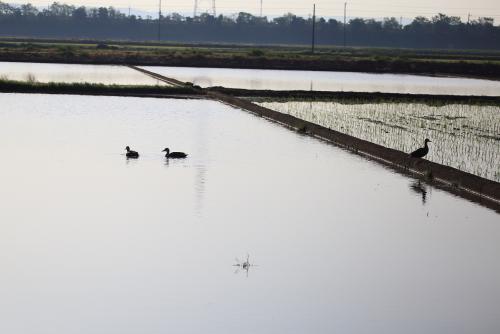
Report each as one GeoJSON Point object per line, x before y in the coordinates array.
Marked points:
{"type": "Point", "coordinates": [260, 8]}
{"type": "Point", "coordinates": [345, 11]}
{"type": "Point", "coordinates": [196, 7]}
{"type": "Point", "coordinates": [401, 22]}
{"type": "Point", "coordinates": [314, 28]}
{"type": "Point", "coordinates": [159, 21]}
{"type": "Point", "coordinates": [468, 19]}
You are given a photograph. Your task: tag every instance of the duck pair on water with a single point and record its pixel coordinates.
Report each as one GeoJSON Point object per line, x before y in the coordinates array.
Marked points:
{"type": "Point", "coordinates": [173, 155]}
{"type": "Point", "coordinates": [419, 153]}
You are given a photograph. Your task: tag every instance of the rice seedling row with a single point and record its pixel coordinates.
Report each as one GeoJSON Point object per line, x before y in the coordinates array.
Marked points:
{"type": "Point", "coordinates": [466, 137]}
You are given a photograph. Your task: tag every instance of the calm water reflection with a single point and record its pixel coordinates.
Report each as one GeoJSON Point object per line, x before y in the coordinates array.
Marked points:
{"type": "Point", "coordinates": [103, 74]}
{"type": "Point", "coordinates": [93, 243]}
{"type": "Point", "coordinates": [329, 81]}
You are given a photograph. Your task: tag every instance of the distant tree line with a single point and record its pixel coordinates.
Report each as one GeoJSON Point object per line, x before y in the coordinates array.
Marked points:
{"type": "Point", "coordinates": [65, 21]}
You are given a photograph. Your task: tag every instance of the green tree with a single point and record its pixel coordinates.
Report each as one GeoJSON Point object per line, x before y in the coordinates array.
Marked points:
{"type": "Point", "coordinates": [29, 10]}
{"type": "Point", "coordinates": [80, 13]}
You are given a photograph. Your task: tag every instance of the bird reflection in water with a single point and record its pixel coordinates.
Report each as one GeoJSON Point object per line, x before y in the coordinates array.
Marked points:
{"type": "Point", "coordinates": [243, 265]}
{"type": "Point", "coordinates": [419, 188]}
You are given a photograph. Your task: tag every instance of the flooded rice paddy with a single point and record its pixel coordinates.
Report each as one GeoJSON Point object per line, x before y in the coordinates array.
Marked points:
{"type": "Point", "coordinates": [91, 242]}
{"type": "Point", "coordinates": [72, 73]}
{"type": "Point", "coordinates": [465, 137]}
{"type": "Point", "coordinates": [329, 81]}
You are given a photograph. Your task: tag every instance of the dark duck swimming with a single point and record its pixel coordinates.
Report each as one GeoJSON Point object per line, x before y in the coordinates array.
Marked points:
{"type": "Point", "coordinates": [174, 155]}
{"type": "Point", "coordinates": [131, 154]}
{"type": "Point", "coordinates": [421, 152]}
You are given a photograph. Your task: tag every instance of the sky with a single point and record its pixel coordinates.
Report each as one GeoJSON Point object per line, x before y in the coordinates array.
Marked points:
{"type": "Point", "coordinates": [325, 8]}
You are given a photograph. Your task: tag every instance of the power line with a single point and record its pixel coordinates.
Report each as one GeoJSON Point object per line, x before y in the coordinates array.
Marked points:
{"type": "Point", "coordinates": [196, 7]}
{"type": "Point", "coordinates": [355, 4]}
{"type": "Point", "coordinates": [327, 10]}
{"type": "Point", "coordinates": [381, 11]}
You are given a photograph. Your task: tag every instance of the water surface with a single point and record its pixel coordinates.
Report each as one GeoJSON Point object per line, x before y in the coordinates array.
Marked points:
{"type": "Point", "coordinates": [91, 242]}
{"type": "Point", "coordinates": [329, 81]}
{"type": "Point", "coordinates": [69, 73]}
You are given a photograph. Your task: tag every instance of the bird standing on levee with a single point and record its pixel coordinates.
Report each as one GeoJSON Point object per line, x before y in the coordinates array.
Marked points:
{"type": "Point", "coordinates": [131, 154]}
{"type": "Point", "coordinates": [421, 152]}
{"type": "Point", "coordinates": [174, 155]}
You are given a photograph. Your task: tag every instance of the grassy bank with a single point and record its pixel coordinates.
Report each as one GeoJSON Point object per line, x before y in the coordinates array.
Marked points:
{"type": "Point", "coordinates": [468, 63]}
{"type": "Point", "coordinates": [9, 86]}
{"type": "Point", "coordinates": [358, 97]}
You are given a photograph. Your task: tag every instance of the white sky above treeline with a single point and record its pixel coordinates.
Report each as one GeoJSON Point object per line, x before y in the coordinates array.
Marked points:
{"type": "Point", "coordinates": [325, 8]}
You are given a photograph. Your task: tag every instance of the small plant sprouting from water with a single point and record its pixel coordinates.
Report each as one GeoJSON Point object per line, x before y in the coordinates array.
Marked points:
{"type": "Point", "coordinates": [257, 52]}
{"type": "Point", "coordinates": [30, 78]}
{"type": "Point", "coordinates": [243, 265]}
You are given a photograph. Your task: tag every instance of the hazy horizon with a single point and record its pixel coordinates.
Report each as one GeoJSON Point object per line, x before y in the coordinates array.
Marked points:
{"type": "Point", "coordinates": [359, 8]}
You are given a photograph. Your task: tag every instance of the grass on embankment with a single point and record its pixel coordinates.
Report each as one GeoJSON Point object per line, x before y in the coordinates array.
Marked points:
{"type": "Point", "coordinates": [358, 97]}
{"type": "Point", "coordinates": [10, 86]}
{"type": "Point", "coordinates": [467, 63]}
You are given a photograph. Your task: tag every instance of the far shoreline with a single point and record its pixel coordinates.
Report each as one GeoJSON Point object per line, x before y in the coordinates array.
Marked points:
{"type": "Point", "coordinates": [278, 67]}
{"type": "Point", "coordinates": [436, 63]}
